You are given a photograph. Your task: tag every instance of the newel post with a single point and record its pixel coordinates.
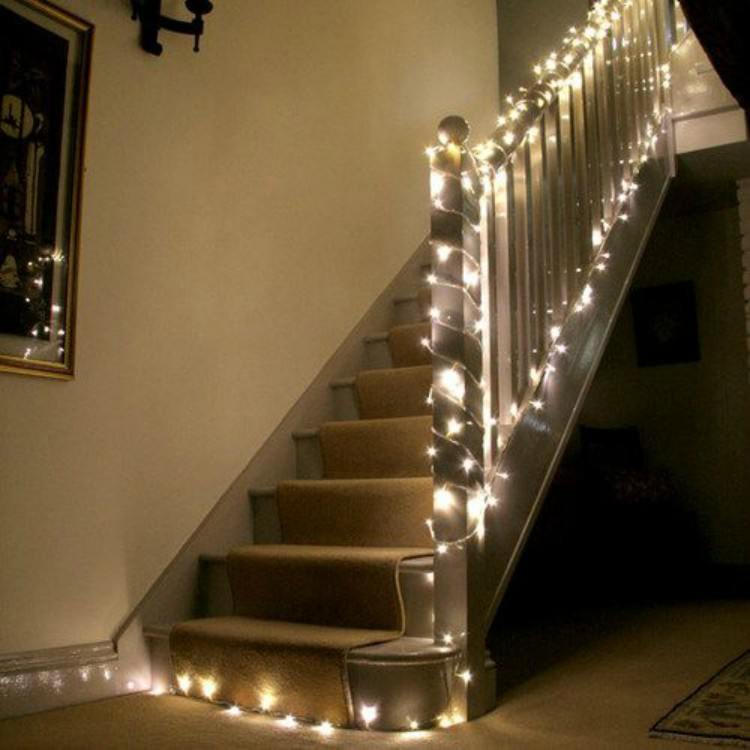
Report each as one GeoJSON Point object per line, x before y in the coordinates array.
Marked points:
{"type": "Point", "coordinates": [457, 398]}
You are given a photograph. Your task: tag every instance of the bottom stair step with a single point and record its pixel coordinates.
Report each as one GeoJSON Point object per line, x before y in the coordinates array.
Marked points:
{"type": "Point", "coordinates": [304, 670]}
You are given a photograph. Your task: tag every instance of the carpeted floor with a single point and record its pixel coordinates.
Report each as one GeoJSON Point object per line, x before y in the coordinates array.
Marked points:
{"type": "Point", "coordinates": [592, 679]}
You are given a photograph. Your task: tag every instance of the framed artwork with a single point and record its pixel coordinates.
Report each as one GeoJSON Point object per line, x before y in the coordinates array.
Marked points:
{"type": "Point", "coordinates": [666, 324]}
{"type": "Point", "coordinates": [45, 56]}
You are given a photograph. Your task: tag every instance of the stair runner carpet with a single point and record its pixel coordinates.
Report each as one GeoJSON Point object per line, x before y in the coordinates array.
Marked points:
{"type": "Point", "coordinates": [332, 584]}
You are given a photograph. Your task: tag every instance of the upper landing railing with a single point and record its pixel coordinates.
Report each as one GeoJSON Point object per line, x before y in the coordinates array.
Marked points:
{"type": "Point", "coordinates": [519, 233]}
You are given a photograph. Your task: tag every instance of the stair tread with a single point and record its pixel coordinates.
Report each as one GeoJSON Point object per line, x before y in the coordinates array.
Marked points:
{"type": "Point", "coordinates": [421, 564]}
{"type": "Point", "coordinates": [269, 491]}
{"type": "Point", "coordinates": [343, 382]}
{"type": "Point", "coordinates": [236, 628]}
{"type": "Point", "coordinates": [306, 433]}
{"type": "Point", "coordinates": [406, 648]}
{"type": "Point", "coordinates": [328, 552]}
{"type": "Point", "coordinates": [375, 337]}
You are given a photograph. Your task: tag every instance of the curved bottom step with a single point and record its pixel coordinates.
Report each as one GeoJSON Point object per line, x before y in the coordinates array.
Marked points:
{"type": "Point", "coordinates": [398, 685]}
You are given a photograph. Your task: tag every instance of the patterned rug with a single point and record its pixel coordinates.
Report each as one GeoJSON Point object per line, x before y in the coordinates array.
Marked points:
{"type": "Point", "coordinates": [717, 713]}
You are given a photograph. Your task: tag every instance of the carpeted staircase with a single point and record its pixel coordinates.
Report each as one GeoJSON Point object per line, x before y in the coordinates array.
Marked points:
{"type": "Point", "coordinates": [332, 587]}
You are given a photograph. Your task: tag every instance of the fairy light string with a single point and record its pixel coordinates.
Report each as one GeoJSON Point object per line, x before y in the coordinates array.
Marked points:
{"type": "Point", "coordinates": [487, 167]}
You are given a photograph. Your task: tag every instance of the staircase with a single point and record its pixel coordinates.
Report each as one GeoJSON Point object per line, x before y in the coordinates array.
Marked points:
{"type": "Point", "coordinates": [350, 610]}
{"type": "Point", "coordinates": [330, 620]}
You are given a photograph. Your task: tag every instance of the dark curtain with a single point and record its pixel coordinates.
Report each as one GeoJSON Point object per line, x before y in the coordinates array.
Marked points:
{"type": "Point", "coordinates": [722, 28]}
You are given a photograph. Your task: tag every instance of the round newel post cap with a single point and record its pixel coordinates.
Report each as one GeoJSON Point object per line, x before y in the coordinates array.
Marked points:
{"type": "Point", "coordinates": [453, 129]}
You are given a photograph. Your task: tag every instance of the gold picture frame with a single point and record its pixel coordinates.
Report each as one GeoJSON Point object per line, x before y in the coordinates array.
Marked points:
{"type": "Point", "coordinates": [45, 64]}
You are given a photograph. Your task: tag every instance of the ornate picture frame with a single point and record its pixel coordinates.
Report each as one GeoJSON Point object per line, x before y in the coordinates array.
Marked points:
{"type": "Point", "coordinates": [45, 62]}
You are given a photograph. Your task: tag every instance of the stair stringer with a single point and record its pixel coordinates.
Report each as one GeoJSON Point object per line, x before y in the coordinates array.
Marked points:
{"type": "Point", "coordinates": [538, 440]}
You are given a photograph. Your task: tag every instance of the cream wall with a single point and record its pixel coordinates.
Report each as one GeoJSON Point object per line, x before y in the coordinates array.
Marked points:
{"type": "Point", "coordinates": [694, 417]}
{"type": "Point", "coordinates": [528, 30]}
{"type": "Point", "coordinates": [243, 207]}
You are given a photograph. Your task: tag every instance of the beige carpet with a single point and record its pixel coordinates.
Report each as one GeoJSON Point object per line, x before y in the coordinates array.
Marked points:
{"type": "Point", "coordinates": [333, 585]}
{"type": "Point", "coordinates": [601, 692]}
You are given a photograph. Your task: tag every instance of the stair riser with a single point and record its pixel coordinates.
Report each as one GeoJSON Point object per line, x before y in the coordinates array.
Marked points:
{"type": "Point", "coordinates": [407, 311]}
{"type": "Point", "coordinates": [377, 354]}
{"type": "Point", "coordinates": [417, 590]}
{"type": "Point", "coordinates": [401, 692]}
{"type": "Point", "coordinates": [309, 459]}
{"type": "Point", "coordinates": [345, 402]}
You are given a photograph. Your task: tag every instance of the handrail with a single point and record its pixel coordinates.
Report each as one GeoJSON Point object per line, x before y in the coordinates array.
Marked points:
{"type": "Point", "coordinates": [519, 229]}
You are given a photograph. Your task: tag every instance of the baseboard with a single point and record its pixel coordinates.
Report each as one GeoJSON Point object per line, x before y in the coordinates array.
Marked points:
{"type": "Point", "coordinates": [33, 681]}
{"type": "Point", "coordinates": [65, 657]}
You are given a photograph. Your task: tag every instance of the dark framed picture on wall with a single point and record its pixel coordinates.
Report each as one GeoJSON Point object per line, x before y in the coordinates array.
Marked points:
{"type": "Point", "coordinates": [45, 57]}
{"type": "Point", "coordinates": [666, 324]}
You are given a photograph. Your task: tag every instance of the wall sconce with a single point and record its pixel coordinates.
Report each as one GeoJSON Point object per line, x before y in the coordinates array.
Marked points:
{"type": "Point", "coordinates": [152, 22]}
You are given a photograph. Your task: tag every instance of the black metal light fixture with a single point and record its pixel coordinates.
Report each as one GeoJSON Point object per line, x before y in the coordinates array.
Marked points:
{"type": "Point", "coordinates": [152, 22]}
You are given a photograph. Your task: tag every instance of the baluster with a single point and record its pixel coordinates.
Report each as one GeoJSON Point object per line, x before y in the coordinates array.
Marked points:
{"type": "Point", "coordinates": [505, 327]}
{"type": "Point", "coordinates": [593, 155]}
{"type": "Point", "coordinates": [553, 192]}
{"type": "Point", "coordinates": [642, 76]}
{"type": "Point", "coordinates": [631, 61]}
{"type": "Point", "coordinates": [656, 48]}
{"type": "Point", "coordinates": [491, 365]}
{"type": "Point", "coordinates": [583, 245]}
{"type": "Point", "coordinates": [537, 247]}
{"type": "Point", "coordinates": [568, 198]}
{"type": "Point", "coordinates": [605, 85]}
{"type": "Point", "coordinates": [520, 274]}
{"type": "Point", "coordinates": [622, 103]}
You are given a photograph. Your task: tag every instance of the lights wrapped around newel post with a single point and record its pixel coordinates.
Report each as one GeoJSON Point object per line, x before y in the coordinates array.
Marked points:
{"type": "Point", "coordinates": [457, 402]}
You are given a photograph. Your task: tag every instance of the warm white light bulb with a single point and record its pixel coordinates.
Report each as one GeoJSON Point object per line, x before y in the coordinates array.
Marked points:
{"type": "Point", "coordinates": [443, 252]}
{"type": "Point", "coordinates": [289, 722]}
{"type": "Point", "coordinates": [437, 183]}
{"type": "Point", "coordinates": [368, 713]}
{"type": "Point", "coordinates": [266, 701]}
{"type": "Point", "coordinates": [475, 507]}
{"type": "Point", "coordinates": [452, 382]}
{"type": "Point", "coordinates": [454, 427]}
{"type": "Point", "coordinates": [465, 676]}
{"type": "Point", "coordinates": [208, 687]}
{"type": "Point", "coordinates": [325, 728]}
{"type": "Point", "coordinates": [472, 278]}
{"type": "Point", "coordinates": [184, 682]}
{"type": "Point", "coordinates": [443, 498]}
{"type": "Point", "coordinates": [233, 711]}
